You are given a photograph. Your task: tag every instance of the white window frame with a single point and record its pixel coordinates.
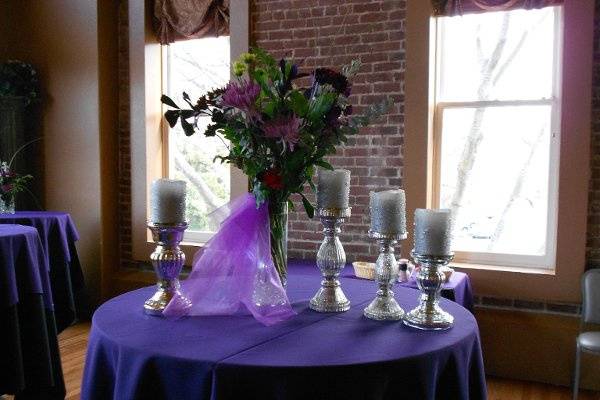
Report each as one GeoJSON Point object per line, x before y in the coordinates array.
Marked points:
{"type": "Point", "coordinates": [548, 260]}
{"type": "Point", "coordinates": [146, 119]}
{"type": "Point", "coordinates": [237, 181]}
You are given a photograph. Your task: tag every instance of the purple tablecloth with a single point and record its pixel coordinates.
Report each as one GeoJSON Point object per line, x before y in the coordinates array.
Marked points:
{"type": "Point", "coordinates": [29, 355]}
{"type": "Point", "coordinates": [56, 229]}
{"type": "Point", "coordinates": [23, 265]}
{"type": "Point", "coordinates": [457, 289]}
{"type": "Point", "coordinates": [58, 235]}
{"type": "Point", "coordinates": [312, 356]}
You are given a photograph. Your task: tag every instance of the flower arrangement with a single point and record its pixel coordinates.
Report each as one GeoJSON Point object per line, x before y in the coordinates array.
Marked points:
{"type": "Point", "coordinates": [19, 79]}
{"type": "Point", "coordinates": [278, 132]}
{"type": "Point", "coordinates": [11, 183]}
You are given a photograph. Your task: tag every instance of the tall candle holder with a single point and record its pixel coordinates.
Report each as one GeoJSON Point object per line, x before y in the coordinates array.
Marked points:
{"type": "Point", "coordinates": [428, 315]}
{"type": "Point", "coordinates": [331, 259]}
{"type": "Point", "coordinates": [167, 260]}
{"type": "Point", "coordinates": [384, 306]}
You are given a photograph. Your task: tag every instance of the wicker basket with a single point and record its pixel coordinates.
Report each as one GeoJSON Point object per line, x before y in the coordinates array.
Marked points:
{"type": "Point", "coordinates": [364, 270]}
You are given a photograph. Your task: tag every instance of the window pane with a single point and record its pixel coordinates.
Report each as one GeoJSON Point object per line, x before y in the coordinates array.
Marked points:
{"type": "Point", "coordinates": [497, 55]}
{"type": "Point", "coordinates": [495, 164]}
{"type": "Point", "coordinates": [197, 66]}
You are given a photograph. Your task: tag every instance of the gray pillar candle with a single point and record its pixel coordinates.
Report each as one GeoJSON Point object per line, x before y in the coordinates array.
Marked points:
{"type": "Point", "coordinates": [167, 201]}
{"type": "Point", "coordinates": [333, 188]}
{"type": "Point", "coordinates": [388, 214]}
{"type": "Point", "coordinates": [432, 232]}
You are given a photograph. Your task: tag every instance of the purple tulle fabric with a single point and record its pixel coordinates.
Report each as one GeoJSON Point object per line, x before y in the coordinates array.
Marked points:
{"type": "Point", "coordinates": [235, 269]}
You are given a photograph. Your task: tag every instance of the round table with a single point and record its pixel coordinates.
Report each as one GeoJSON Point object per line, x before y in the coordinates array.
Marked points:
{"type": "Point", "coordinates": [58, 235]}
{"type": "Point", "coordinates": [29, 354]}
{"type": "Point", "coordinates": [311, 356]}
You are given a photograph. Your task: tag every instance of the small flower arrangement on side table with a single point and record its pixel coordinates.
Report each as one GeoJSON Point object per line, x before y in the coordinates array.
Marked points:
{"type": "Point", "coordinates": [11, 183]}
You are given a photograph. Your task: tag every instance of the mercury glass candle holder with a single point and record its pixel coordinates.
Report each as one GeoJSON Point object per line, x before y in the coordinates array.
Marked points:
{"type": "Point", "coordinates": [331, 259]}
{"type": "Point", "coordinates": [384, 306]}
{"type": "Point", "coordinates": [167, 260]}
{"type": "Point", "coordinates": [428, 315]}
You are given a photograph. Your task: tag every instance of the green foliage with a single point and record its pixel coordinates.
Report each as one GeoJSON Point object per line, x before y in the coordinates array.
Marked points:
{"type": "Point", "coordinates": [278, 133]}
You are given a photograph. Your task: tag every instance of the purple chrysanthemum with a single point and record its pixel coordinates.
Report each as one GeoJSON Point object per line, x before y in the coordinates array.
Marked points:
{"type": "Point", "coordinates": [241, 95]}
{"type": "Point", "coordinates": [286, 128]}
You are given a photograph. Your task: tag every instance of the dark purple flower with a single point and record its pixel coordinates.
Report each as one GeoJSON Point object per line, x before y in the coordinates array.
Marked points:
{"type": "Point", "coordinates": [6, 188]}
{"type": "Point", "coordinates": [338, 81]}
{"type": "Point", "coordinates": [332, 116]}
{"type": "Point", "coordinates": [241, 95]}
{"type": "Point", "coordinates": [286, 128]}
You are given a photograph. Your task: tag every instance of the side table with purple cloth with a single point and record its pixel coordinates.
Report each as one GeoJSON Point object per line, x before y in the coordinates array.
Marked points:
{"type": "Point", "coordinates": [457, 289]}
{"type": "Point", "coordinates": [58, 235]}
{"type": "Point", "coordinates": [311, 356]}
{"type": "Point", "coordinates": [29, 356]}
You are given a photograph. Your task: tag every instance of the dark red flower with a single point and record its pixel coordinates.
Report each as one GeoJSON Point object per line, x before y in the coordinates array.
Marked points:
{"type": "Point", "coordinates": [272, 179]}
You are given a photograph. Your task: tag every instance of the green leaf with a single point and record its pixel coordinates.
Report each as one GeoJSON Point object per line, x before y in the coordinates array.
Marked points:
{"type": "Point", "coordinates": [211, 130]}
{"type": "Point", "coordinates": [186, 97]}
{"type": "Point", "coordinates": [167, 100]}
{"type": "Point", "coordinates": [291, 205]}
{"type": "Point", "coordinates": [269, 108]}
{"type": "Point", "coordinates": [320, 106]}
{"type": "Point", "coordinates": [310, 210]}
{"type": "Point", "coordinates": [298, 103]}
{"type": "Point", "coordinates": [188, 128]}
{"type": "Point", "coordinates": [172, 116]}
{"type": "Point", "coordinates": [324, 164]}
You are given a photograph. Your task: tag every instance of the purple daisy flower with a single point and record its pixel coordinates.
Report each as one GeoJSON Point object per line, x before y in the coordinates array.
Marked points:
{"type": "Point", "coordinates": [286, 128]}
{"type": "Point", "coordinates": [241, 96]}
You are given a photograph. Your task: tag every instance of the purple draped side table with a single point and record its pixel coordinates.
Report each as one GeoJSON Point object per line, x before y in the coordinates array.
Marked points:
{"type": "Point", "coordinates": [29, 355]}
{"type": "Point", "coordinates": [58, 236]}
{"type": "Point", "coordinates": [311, 356]}
{"type": "Point", "coordinates": [457, 289]}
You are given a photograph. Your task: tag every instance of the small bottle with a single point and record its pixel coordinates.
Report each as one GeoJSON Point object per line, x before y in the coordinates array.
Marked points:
{"type": "Point", "coordinates": [403, 270]}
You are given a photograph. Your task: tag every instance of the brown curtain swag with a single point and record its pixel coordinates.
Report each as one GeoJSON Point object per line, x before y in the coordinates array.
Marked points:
{"type": "Point", "coordinates": [190, 19]}
{"type": "Point", "coordinates": [451, 8]}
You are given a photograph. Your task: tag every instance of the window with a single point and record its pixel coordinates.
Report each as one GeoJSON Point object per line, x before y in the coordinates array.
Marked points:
{"type": "Point", "coordinates": [195, 67]}
{"type": "Point", "coordinates": [496, 134]}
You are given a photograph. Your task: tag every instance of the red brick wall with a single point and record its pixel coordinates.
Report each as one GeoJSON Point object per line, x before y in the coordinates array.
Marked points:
{"type": "Point", "coordinates": [331, 33]}
{"type": "Point", "coordinates": [593, 234]}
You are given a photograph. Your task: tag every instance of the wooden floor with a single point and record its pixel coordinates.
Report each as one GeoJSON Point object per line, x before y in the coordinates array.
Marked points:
{"type": "Point", "coordinates": [73, 343]}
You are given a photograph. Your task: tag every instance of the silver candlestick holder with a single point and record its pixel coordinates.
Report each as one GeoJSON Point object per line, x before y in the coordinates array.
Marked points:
{"type": "Point", "coordinates": [331, 259]}
{"type": "Point", "coordinates": [384, 306]}
{"type": "Point", "coordinates": [428, 315]}
{"type": "Point", "coordinates": [167, 260]}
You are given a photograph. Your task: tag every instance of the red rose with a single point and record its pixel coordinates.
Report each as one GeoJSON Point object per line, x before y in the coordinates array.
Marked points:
{"type": "Point", "coordinates": [273, 180]}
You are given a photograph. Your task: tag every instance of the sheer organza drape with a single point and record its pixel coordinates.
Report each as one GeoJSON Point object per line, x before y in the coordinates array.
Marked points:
{"type": "Point", "coordinates": [235, 272]}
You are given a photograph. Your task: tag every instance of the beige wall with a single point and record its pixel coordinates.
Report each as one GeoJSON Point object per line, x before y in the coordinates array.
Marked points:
{"type": "Point", "coordinates": [60, 37]}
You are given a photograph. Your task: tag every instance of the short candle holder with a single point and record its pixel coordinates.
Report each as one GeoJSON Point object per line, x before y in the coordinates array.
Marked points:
{"type": "Point", "coordinates": [331, 259]}
{"type": "Point", "coordinates": [384, 306]}
{"type": "Point", "coordinates": [167, 260]}
{"type": "Point", "coordinates": [428, 315]}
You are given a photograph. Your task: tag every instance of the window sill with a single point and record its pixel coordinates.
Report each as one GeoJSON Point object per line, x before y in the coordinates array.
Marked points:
{"type": "Point", "coordinates": [503, 268]}
{"type": "Point", "coordinates": [193, 244]}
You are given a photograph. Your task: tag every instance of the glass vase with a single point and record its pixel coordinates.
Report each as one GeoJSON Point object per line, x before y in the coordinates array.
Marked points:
{"type": "Point", "coordinates": [278, 218]}
{"type": "Point", "coordinates": [7, 203]}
